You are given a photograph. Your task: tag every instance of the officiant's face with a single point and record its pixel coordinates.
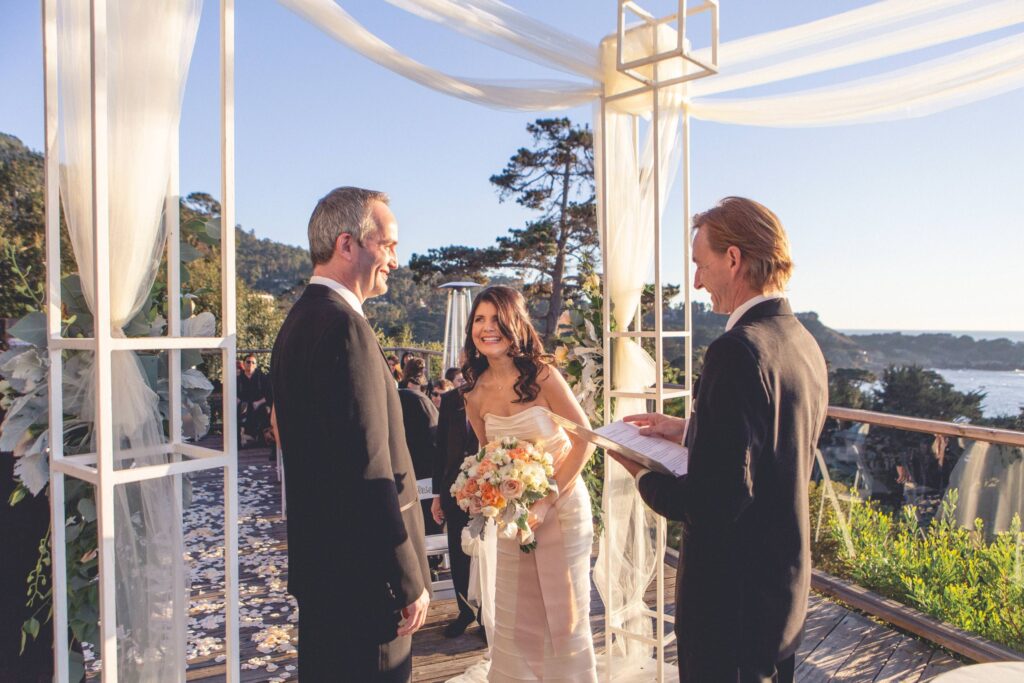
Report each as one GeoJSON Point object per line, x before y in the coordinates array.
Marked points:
{"type": "Point", "coordinates": [487, 336]}
{"type": "Point", "coordinates": [378, 255]}
{"type": "Point", "coordinates": [712, 272]}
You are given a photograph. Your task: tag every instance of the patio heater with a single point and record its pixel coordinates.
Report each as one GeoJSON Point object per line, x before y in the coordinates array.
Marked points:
{"type": "Point", "coordinates": [455, 316]}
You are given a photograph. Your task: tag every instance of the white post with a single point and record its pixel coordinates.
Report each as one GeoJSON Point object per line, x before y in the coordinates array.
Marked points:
{"type": "Point", "coordinates": [227, 85]}
{"type": "Point", "coordinates": [58, 539]}
{"type": "Point", "coordinates": [173, 225]}
{"type": "Point", "coordinates": [687, 294]}
{"type": "Point", "coordinates": [104, 426]}
{"type": "Point", "coordinates": [447, 326]}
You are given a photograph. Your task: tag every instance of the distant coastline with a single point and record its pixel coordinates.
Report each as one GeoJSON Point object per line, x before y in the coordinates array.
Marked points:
{"type": "Point", "coordinates": [976, 335]}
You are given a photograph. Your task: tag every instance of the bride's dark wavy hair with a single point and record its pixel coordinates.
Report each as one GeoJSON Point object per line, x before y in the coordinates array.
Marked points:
{"type": "Point", "coordinates": [526, 349]}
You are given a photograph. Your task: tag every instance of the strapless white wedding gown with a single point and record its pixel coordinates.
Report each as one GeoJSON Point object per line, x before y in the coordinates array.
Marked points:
{"type": "Point", "coordinates": [542, 599]}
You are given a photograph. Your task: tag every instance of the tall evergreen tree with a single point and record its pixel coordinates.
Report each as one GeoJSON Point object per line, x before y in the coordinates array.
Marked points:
{"type": "Point", "coordinates": [555, 178]}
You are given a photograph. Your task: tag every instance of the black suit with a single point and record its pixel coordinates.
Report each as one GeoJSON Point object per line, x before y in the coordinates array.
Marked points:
{"type": "Point", "coordinates": [455, 440]}
{"type": "Point", "coordinates": [355, 531]}
{"type": "Point", "coordinates": [420, 419]}
{"type": "Point", "coordinates": [745, 565]}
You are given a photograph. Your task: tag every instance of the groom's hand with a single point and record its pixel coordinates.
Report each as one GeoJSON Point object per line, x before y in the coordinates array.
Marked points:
{"type": "Point", "coordinates": [415, 615]}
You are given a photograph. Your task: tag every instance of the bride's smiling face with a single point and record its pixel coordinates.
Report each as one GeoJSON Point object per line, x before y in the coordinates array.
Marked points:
{"type": "Point", "coordinates": [487, 336]}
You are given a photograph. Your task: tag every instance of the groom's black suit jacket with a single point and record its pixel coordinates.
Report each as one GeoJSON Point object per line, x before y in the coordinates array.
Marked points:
{"type": "Point", "coordinates": [355, 529]}
{"type": "Point", "coordinates": [745, 565]}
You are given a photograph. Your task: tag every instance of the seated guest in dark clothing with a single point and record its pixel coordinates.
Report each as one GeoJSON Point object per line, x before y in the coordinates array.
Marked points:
{"type": "Point", "coordinates": [255, 399]}
{"type": "Point", "coordinates": [455, 440]}
{"type": "Point", "coordinates": [420, 418]}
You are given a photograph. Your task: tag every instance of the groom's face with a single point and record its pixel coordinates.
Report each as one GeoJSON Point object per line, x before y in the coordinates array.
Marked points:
{"type": "Point", "coordinates": [378, 255]}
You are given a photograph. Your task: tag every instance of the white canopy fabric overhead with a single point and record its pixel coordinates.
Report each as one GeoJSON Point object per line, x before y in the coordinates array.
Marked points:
{"type": "Point", "coordinates": [861, 36]}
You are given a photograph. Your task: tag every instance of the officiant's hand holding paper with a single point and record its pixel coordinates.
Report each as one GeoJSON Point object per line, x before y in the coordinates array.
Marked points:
{"type": "Point", "coordinates": [655, 424]}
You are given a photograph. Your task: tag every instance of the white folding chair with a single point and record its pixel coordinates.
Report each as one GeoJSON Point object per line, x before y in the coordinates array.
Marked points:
{"type": "Point", "coordinates": [437, 545]}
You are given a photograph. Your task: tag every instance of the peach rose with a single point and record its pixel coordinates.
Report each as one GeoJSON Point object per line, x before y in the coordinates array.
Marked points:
{"type": "Point", "coordinates": [475, 506]}
{"type": "Point", "coordinates": [512, 488]}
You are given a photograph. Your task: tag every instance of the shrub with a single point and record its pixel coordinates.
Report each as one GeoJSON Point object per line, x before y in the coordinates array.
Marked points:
{"type": "Point", "coordinates": [947, 571]}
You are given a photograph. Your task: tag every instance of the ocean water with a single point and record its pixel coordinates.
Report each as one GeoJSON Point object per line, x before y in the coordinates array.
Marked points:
{"type": "Point", "coordinates": [977, 335]}
{"type": "Point", "coordinates": [1004, 391]}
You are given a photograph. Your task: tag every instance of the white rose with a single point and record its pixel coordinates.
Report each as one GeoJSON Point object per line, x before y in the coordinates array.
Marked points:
{"type": "Point", "coordinates": [489, 511]}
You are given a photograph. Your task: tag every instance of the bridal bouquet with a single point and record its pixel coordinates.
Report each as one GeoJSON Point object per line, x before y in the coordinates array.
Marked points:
{"type": "Point", "coordinates": [501, 482]}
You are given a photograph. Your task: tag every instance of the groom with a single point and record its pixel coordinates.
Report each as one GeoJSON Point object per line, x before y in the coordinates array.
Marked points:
{"type": "Point", "coordinates": [356, 559]}
{"type": "Point", "coordinates": [759, 406]}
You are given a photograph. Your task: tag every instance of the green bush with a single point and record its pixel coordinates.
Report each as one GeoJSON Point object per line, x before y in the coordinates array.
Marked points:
{"type": "Point", "coordinates": [947, 571]}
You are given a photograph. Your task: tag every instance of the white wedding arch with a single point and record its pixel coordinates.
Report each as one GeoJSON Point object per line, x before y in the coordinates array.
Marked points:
{"type": "Point", "coordinates": [114, 74]}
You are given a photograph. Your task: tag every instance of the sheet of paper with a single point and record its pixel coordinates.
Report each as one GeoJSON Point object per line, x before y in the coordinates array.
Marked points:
{"type": "Point", "coordinates": [673, 456]}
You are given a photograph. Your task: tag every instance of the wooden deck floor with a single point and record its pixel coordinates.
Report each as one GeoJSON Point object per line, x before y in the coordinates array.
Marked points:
{"type": "Point", "coordinates": [840, 645]}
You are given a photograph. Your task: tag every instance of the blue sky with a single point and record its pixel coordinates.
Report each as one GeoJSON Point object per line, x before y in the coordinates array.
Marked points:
{"type": "Point", "coordinates": [911, 225]}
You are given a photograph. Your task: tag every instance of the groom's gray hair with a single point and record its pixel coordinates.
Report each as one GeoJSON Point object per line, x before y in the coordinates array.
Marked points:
{"type": "Point", "coordinates": [343, 209]}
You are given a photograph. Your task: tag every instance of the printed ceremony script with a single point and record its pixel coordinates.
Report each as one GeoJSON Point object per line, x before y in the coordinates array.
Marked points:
{"type": "Point", "coordinates": [654, 453]}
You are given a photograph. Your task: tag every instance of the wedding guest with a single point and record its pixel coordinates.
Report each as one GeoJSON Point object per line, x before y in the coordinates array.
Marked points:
{"type": "Point", "coordinates": [396, 369]}
{"type": "Point", "coordinates": [454, 375]}
{"type": "Point", "coordinates": [455, 440]}
{"type": "Point", "coordinates": [414, 374]}
{"type": "Point", "coordinates": [419, 416]}
{"type": "Point", "coordinates": [437, 389]}
{"type": "Point", "coordinates": [255, 399]}
{"type": "Point", "coordinates": [759, 407]}
{"type": "Point", "coordinates": [356, 558]}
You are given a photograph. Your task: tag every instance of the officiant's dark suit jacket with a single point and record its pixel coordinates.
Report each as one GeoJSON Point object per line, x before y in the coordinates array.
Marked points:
{"type": "Point", "coordinates": [745, 566]}
{"type": "Point", "coordinates": [355, 529]}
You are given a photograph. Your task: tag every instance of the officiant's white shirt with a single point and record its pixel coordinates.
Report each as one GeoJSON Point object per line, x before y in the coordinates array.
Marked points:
{"type": "Point", "coordinates": [345, 293]}
{"type": "Point", "coordinates": [747, 305]}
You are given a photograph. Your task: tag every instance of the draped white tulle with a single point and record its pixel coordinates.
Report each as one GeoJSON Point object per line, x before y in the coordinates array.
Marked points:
{"type": "Point", "coordinates": [860, 36]}
{"type": "Point", "coordinates": [536, 635]}
{"type": "Point", "coordinates": [989, 479]}
{"type": "Point", "coordinates": [148, 50]}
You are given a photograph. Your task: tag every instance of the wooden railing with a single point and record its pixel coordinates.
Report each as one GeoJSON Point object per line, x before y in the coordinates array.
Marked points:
{"type": "Point", "coordinates": [1003, 437]}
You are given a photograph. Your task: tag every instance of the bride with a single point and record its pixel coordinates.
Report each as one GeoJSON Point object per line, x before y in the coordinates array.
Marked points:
{"type": "Point", "coordinates": [541, 599]}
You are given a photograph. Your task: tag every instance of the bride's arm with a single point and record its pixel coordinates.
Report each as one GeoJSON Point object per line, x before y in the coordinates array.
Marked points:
{"type": "Point", "coordinates": [559, 397]}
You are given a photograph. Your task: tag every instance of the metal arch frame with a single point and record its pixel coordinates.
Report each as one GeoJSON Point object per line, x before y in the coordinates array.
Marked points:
{"type": "Point", "coordinates": [659, 394]}
{"type": "Point", "coordinates": [98, 468]}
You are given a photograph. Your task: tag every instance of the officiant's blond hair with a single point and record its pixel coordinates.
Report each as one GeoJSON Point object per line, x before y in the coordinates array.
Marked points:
{"type": "Point", "coordinates": [757, 232]}
{"type": "Point", "coordinates": [343, 209]}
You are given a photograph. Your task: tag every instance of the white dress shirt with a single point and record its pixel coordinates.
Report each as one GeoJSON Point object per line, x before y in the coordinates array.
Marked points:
{"type": "Point", "coordinates": [345, 293]}
{"type": "Point", "coordinates": [747, 305]}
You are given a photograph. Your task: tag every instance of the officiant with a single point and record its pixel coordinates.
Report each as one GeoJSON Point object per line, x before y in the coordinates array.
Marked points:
{"type": "Point", "coordinates": [759, 407]}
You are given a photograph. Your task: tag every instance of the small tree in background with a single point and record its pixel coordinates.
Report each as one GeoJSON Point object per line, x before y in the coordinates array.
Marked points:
{"type": "Point", "coordinates": [555, 178]}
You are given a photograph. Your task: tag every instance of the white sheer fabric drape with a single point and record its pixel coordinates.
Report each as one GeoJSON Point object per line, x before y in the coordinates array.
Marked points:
{"type": "Point", "coordinates": [149, 47]}
{"type": "Point", "coordinates": [989, 479]}
{"type": "Point", "coordinates": [627, 556]}
{"type": "Point", "coordinates": [860, 36]}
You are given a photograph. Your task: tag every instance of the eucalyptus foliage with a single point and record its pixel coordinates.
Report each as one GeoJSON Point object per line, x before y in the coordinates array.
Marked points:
{"type": "Point", "coordinates": [25, 370]}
